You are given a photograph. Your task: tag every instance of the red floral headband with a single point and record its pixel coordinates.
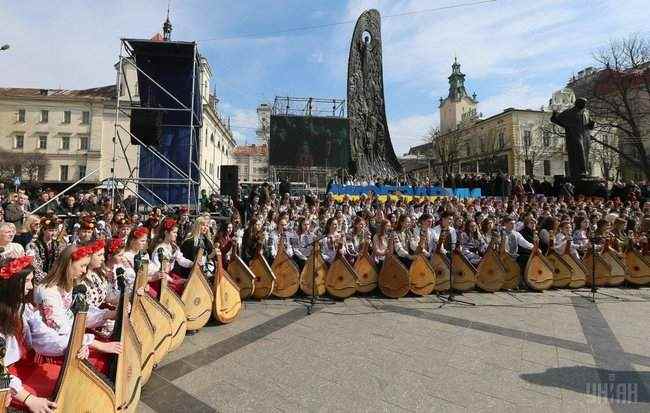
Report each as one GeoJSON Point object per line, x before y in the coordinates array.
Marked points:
{"type": "Point", "coordinates": [140, 232]}
{"type": "Point", "coordinates": [116, 244]}
{"type": "Point", "coordinates": [12, 267]}
{"type": "Point", "coordinates": [81, 252]}
{"type": "Point", "coordinates": [168, 224]}
{"type": "Point", "coordinates": [99, 245]}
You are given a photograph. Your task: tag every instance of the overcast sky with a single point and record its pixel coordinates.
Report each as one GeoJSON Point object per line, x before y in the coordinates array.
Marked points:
{"type": "Point", "coordinates": [514, 53]}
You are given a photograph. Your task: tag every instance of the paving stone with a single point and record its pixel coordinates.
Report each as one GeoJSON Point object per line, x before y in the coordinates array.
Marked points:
{"type": "Point", "coordinates": [519, 352]}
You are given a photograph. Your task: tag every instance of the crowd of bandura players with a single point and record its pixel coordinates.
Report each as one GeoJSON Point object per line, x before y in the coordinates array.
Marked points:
{"type": "Point", "coordinates": [44, 255]}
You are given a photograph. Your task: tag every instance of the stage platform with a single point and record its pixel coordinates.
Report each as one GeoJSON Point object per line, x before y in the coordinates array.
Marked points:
{"type": "Point", "coordinates": [517, 352]}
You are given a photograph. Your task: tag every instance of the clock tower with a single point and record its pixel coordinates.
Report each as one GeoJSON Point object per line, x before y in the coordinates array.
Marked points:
{"type": "Point", "coordinates": [458, 106]}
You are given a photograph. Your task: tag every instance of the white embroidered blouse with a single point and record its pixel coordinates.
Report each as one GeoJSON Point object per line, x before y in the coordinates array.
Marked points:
{"type": "Point", "coordinates": [54, 306]}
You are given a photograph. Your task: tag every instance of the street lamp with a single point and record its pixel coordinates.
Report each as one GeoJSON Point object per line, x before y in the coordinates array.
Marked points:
{"type": "Point", "coordinates": [4, 47]}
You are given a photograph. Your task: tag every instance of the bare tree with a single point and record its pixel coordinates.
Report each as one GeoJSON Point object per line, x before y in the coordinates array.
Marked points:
{"type": "Point", "coordinates": [444, 150]}
{"type": "Point", "coordinates": [25, 165]}
{"type": "Point", "coordinates": [619, 97]}
{"type": "Point", "coordinates": [492, 152]}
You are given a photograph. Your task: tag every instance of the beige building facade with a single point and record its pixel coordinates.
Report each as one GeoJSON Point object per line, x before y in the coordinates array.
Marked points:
{"type": "Point", "coordinates": [520, 142]}
{"type": "Point", "coordinates": [71, 130]}
{"type": "Point", "coordinates": [253, 163]}
{"type": "Point", "coordinates": [215, 137]}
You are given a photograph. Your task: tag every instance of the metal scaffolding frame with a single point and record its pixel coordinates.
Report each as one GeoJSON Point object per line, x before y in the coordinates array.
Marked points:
{"type": "Point", "coordinates": [288, 105]}
{"type": "Point", "coordinates": [126, 57]}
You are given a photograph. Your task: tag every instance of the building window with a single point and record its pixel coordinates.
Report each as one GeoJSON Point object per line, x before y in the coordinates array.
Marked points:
{"type": "Point", "coordinates": [566, 168]}
{"type": "Point", "coordinates": [547, 167]}
{"type": "Point", "coordinates": [212, 137]}
{"type": "Point", "coordinates": [546, 138]}
{"type": "Point", "coordinates": [83, 143]}
{"type": "Point", "coordinates": [527, 138]}
{"type": "Point", "coordinates": [67, 115]}
{"type": "Point", "coordinates": [19, 142]}
{"type": "Point", "coordinates": [63, 172]}
{"type": "Point", "coordinates": [82, 171]}
{"type": "Point", "coordinates": [468, 148]}
{"type": "Point", "coordinates": [211, 169]}
{"type": "Point", "coordinates": [42, 142]}
{"type": "Point", "coordinates": [45, 115]}
{"type": "Point", "coordinates": [21, 115]}
{"type": "Point", "coordinates": [65, 143]}
{"type": "Point", "coordinates": [529, 167]}
{"type": "Point", "coordinates": [85, 118]}
{"type": "Point", "coordinates": [41, 172]}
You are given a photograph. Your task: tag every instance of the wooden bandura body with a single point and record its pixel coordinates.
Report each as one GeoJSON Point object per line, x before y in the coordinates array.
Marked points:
{"type": "Point", "coordinates": [638, 267]}
{"type": "Point", "coordinates": [341, 280]}
{"type": "Point", "coordinates": [597, 268]}
{"type": "Point", "coordinates": [287, 275]}
{"type": "Point", "coordinates": [490, 272]}
{"type": "Point", "coordinates": [160, 318]}
{"type": "Point", "coordinates": [241, 274]}
{"type": "Point", "coordinates": [463, 272]}
{"type": "Point", "coordinates": [173, 304]}
{"type": "Point", "coordinates": [578, 270]}
{"type": "Point", "coordinates": [421, 273]}
{"type": "Point", "coordinates": [561, 269]}
{"type": "Point", "coordinates": [394, 279]}
{"type": "Point", "coordinates": [227, 300]}
{"type": "Point", "coordinates": [616, 265]}
{"type": "Point", "coordinates": [365, 270]}
{"type": "Point", "coordinates": [512, 269]}
{"type": "Point", "coordinates": [125, 368]}
{"type": "Point", "coordinates": [197, 297]}
{"type": "Point", "coordinates": [264, 277]}
{"type": "Point", "coordinates": [538, 274]}
{"type": "Point", "coordinates": [422, 276]}
{"type": "Point", "coordinates": [440, 265]}
{"type": "Point", "coordinates": [80, 388]}
{"type": "Point", "coordinates": [315, 268]}
{"type": "Point", "coordinates": [143, 327]}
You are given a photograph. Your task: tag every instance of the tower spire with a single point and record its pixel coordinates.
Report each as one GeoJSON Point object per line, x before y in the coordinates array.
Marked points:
{"type": "Point", "coordinates": [167, 26]}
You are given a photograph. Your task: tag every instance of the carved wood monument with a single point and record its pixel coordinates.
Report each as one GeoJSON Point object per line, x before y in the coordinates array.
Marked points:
{"type": "Point", "coordinates": [371, 148]}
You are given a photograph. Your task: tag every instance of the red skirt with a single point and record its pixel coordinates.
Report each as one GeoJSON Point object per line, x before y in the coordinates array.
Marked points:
{"type": "Point", "coordinates": [176, 284]}
{"type": "Point", "coordinates": [39, 378]}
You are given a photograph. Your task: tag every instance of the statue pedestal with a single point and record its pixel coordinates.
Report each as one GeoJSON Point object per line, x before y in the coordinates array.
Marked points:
{"type": "Point", "coordinates": [586, 185]}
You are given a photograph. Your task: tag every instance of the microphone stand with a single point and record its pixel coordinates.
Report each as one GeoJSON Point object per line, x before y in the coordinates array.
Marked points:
{"type": "Point", "coordinates": [594, 287]}
{"type": "Point", "coordinates": [315, 298]}
{"type": "Point", "coordinates": [450, 296]}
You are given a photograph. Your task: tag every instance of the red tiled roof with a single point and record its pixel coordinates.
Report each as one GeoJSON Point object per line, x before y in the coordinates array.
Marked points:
{"type": "Point", "coordinates": [250, 150]}
{"type": "Point", "coordinates": [102, 92]}
{"type": "Point", "coordinates": [157, 38]}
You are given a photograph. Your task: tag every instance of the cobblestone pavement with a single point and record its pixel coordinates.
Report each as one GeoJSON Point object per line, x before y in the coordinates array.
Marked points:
{"type": "Point", "coordinates": [552, 351]}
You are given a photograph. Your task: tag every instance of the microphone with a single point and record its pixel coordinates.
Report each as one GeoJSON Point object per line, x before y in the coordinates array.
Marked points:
{"type": "Point", "coordinates": [79, 298]}
{"type": "Point", "coordinates": [119, 275]}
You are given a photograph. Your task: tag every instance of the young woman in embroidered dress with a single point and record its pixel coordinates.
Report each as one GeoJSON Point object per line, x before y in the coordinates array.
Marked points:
{"type": "Point", "coordinates": [28, 390]}
{"type": "Point", "coordinates": [166, 241]}
{"type": "Point", "coordinates": [137, 244]}
{"type": "Point", "coordinates": [53, 299]}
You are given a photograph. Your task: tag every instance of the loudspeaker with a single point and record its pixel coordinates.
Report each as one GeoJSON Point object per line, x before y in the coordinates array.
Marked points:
{"type": "Point", "coordinates": [146, 126]}
{"type": "Point", "coordinates": [229, 180]}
